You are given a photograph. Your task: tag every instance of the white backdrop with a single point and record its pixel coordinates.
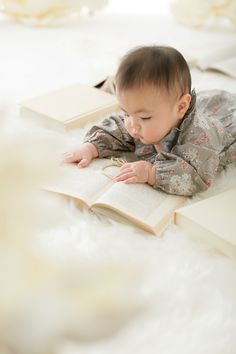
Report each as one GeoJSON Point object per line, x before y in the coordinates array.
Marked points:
{"type": "Point", "coordinates": [189, 288]}
{"type": "Point", "coordinates": [155, 7]}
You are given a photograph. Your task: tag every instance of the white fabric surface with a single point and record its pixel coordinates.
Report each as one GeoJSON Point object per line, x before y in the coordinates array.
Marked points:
{"type": "Point", "coordinates": [190, 288]}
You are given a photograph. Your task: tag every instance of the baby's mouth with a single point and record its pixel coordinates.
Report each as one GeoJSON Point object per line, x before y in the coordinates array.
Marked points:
{"type": "Point", "coordinates": [136, 136]}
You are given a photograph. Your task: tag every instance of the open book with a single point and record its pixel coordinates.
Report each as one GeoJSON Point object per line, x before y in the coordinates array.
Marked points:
{"type": "Point", "coordinates": [212, 220]}
{"type": "Point", "coordinates": [222, 59]}
{"type": "Point", "coordinates": [69, 107]}
{"type": "Point", "coordinates": [139, 204]}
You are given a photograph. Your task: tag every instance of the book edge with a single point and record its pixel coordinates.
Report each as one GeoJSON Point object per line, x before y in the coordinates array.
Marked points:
{"type": "Point", "coordinates": [212, 239]}
{"type": "Point", "coordinates": [118, 215]}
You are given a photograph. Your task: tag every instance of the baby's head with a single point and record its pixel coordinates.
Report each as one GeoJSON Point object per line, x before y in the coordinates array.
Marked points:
{"type": "Point", "coordinates": [153, 87]}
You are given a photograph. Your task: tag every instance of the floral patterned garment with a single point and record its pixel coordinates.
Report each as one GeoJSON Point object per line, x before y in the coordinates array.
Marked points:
{"type": "Point", "coordinates": [189, 157]}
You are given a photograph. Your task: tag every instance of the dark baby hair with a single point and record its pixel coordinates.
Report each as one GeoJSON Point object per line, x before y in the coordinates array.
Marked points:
{"type": "Point", "coordinates": [162, 66]}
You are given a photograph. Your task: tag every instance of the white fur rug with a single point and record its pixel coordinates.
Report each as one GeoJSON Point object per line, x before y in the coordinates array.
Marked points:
{"type": "Point", "coordinates": [187, 288]}
{"type": "Point", "coordinates": [144, 294]}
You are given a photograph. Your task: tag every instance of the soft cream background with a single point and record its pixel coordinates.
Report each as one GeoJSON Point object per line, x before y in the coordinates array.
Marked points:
{"type": "Point", "coordinates": [186, 289]}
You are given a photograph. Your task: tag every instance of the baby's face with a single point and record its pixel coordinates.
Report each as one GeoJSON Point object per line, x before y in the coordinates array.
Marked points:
{"type": "Point", "coordinates": [149, 113]}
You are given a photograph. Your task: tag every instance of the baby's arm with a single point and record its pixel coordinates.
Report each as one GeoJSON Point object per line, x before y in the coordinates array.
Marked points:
{"type": "Point", "coordinates": [172, 173]}
{"type": "Point", "coordinates": [179, 173]}
{"type": "Point", "coordinates": [83, 156]}
{"type": "Point", "coordinates": [110, 137]}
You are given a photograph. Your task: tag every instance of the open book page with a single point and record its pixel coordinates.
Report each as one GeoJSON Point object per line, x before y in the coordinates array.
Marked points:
{"type": "Point", "coordinates": [85, 184]}
{"type": "Point", "coordinates": [222, 58]}
{"type": "Point", "coordinates": [94, 185]}
{"type": "Point", "coordinates": [227, 66]}
{"type": "Point", "coordinates": [149, 208]}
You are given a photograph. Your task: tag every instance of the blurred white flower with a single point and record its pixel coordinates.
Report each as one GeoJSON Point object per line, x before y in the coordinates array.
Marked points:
{"type": "Point", "coordinates": [44, 11]}
{"type": "Point", "coordinates": [198, 12]}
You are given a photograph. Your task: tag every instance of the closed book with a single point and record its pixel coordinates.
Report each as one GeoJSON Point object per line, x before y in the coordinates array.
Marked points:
{"type": "Point", "coordinates": [212, 220]}
{"type": "Point", "coordinates": [69, 107]}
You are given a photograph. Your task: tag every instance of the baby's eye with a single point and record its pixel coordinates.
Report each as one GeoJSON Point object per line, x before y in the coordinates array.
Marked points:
{"type": "Point", "coordinates": [145, 118]}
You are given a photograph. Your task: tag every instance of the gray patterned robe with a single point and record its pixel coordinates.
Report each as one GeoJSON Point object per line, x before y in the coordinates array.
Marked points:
{"type": "Point", "coordinates": [188, 157]}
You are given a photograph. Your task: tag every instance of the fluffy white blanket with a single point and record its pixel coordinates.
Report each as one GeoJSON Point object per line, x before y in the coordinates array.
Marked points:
{"type": "Point", "coordinates": [166, 295]}
{"type": "Point", "coordinates": [189, 286]}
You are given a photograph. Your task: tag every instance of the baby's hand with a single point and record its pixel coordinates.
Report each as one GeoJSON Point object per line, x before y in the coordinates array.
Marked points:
{"type": "Point", "coordinates": [83, 156]}
{"type": "Point", "coordinates": [137, 172]}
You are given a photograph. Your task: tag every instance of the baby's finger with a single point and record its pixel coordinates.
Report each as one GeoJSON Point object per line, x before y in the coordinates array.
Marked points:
{"type": "Point", "coordinates": [83, 163]}
{"type": "Point", "coordinates": [125, 165]}
{"type": "Point", "coordinates": [131, 180]}
{"type": "Point", "coordinates": [121, 173]}
{"type": "Point", "coordinates": [70, 157]}
{"type": "Point", "coordinates": [66, 155]}
{"type": "Point", "coordinates": [123, 176]}
{"type": "Point", "coordinates": [125, 170]}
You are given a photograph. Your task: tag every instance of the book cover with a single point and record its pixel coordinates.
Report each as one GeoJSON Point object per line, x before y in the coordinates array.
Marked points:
{"type": "Point", "coordinates": [212, 220]}
{"type": "Point", "coordinates": [69, 107]}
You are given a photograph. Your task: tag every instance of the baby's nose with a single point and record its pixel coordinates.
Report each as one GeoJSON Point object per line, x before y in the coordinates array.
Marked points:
{"type": "Point", "coordinates": [134, 124]}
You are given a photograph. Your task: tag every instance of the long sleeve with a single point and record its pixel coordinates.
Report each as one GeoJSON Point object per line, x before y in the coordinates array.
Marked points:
{"type": "Point", "coordinates": [180, 172]}
{"type": "Point", "coordinates": [110, 137]}
{"type": "Point", "coordinates": [192, 162]}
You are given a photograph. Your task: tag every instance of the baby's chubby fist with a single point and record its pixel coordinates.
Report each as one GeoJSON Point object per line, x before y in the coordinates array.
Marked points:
{"type": "Point", "coordinates": [83, 156]}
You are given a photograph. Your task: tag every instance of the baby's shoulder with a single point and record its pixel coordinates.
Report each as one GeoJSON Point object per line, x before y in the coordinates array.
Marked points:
{"type": "Point", "coordinates": [215, 98]}
{"type": "Point", "coordinates": [208, 121]}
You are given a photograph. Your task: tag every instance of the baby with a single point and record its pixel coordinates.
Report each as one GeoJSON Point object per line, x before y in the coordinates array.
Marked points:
{"type": "Point", "coordinates": [181, 140]}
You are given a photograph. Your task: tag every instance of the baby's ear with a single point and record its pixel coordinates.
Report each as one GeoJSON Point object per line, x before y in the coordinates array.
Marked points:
{"type": "Point", "coordinates": [183, 105]}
